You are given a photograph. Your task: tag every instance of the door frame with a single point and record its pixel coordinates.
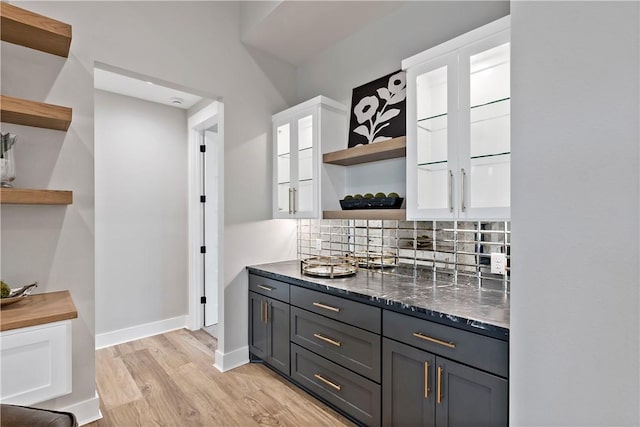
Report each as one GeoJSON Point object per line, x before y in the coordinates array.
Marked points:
{"type": "Point", "coordinates": [205, 118]}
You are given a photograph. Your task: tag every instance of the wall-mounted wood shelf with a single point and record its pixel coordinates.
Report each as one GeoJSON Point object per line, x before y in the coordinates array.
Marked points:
{"type": "Point", "coordinates": [31, 113]}
{"type": "Point", "coordinates": [25, 196]}
{"type": "Point", "coordinates": [391, 149]}
{"type": "Point", "coordinates": [391, 214]}
{"type": "Point", "coordinates": [25, 28]}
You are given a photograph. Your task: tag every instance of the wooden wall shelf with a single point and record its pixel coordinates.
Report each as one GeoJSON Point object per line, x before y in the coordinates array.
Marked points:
{"type": "Point", "coordinates": [390, 214]}
{"type": "Point", "coordinates": [29, 29]}
{"type": "Point", "coordinates": [391, 149]}
{"type": "Point", "coordinates": [25, 196]}
{"type": "Point", "coordinates": [32, 113]}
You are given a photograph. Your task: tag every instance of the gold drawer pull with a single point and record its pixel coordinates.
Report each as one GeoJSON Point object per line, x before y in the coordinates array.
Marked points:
{"type": "Point", "coordinates": [439, 396]}
{"type": "Point", "coordinates": [266, 288]}
{"type": "Point", "coordinates": [434, 340]}
{"type": "Point", "coordinates": [329, 340]}
{"type": "Point", "coordinates": [326, 307]}
{"type": "Point", "coordinates": [426, 380]}
{"type": "Point", "coordinates": [327, 382]}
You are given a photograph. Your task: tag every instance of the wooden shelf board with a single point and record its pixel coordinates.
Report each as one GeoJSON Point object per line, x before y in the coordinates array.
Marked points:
{"type": "Point", "coordinates": [32, 113]}
{"type": "Point", "coordinates": [391, 149]}
{"type": "Point", "coordinates": [38, 309]}
{"type": "Point", "coordinates": [27, 196]}
{"type": "Point", "coordinates": [29, 29]}
{"type": "Point", "coordinates": [391, 214]}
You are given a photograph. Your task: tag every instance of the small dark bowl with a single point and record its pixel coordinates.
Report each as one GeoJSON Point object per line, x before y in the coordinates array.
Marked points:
{"type": "Point", "coordinates": [373, 203]}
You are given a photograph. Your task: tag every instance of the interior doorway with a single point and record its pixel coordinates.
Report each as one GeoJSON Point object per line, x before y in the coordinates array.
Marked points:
{"type": "Point", "coordinates": [150, 199]}
{"type": "Point", "coordinates": [206, 191]}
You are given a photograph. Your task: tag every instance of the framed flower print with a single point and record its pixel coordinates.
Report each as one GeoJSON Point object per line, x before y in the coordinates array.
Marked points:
{"type": "Point", "coordinates": [378, 110]}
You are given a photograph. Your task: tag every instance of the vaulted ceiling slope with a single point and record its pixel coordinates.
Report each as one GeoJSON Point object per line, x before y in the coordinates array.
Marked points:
{"type": "Point", "coordinates": [294, 31]}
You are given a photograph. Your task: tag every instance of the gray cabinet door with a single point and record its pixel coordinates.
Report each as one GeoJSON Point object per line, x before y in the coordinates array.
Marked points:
{"type": "Point", "coordinates": [257, 326]}
{"type": "Point", "coordinates": [278, 335]}
{"type": "Point", "coordinates": [470, 397]}
{"type": "Point", "coordinates": [269, 331]}
{"type": "Point", "coordinates": [408, 385]}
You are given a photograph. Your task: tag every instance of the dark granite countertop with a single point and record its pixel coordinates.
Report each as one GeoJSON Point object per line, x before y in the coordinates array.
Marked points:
{"type": "Point", "coordinates": [463, 306]}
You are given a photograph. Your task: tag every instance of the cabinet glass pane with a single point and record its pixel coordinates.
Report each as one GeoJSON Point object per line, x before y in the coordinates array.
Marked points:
{"type": "Point", "coordinates": [283, 147]}
{"type": "Point", "coordinates": [490, 130]}
{"type": "Point", "coordinates": [304, 193]}
{"type": "Point", "coordinates": [431, 107]}
{"type": "Point", "coordinates": [304, 196]}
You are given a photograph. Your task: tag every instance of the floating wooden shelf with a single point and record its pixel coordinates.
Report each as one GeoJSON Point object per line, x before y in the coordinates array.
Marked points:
{"type": "Point", "coordinates": [38, 309]}
{"type": "Point", "coordinates": [25, 196]}
{"type": "Point", "coordinates": [25, 28]}
{"type": "Point", "coordinates": [32, 113]}
{"type": "Point", "coordinates": [391, 214]}
{"type": "Point", "coordinates": [391, 149]}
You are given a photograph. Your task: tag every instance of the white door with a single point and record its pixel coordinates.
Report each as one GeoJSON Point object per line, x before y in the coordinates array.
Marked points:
{"type": "Point", "coordinates": [210, 233]}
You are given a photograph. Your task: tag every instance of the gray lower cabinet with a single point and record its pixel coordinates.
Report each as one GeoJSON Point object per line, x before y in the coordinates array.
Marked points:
{"type": "Point", "coordinates": [269, 331]}
{"type": "Point", "coordinates": [379, 366]}
{"type": "Point", "coordinates": [422, 389]}
{"type": "Point", "coordinates": [352, 393]}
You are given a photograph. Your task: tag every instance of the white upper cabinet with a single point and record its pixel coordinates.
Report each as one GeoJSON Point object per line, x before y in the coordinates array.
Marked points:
{"type": "Point", "coordinates": [300, 134]}
{"type": "Point", "coordinates": [458, 127]}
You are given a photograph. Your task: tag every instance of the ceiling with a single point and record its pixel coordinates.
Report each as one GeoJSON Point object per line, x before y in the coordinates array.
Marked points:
{"type": "Point", "coordinates": [294, 31]}
{"type": "Point", "coordinates": [143, 89]}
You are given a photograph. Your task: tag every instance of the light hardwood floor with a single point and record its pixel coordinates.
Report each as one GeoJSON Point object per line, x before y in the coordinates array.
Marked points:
{"type": "Point", "coordinates": [169, 380]}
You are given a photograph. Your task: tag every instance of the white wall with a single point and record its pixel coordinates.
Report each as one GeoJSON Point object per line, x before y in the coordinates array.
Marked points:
{"type": "Point", "coordinates": [379, 48]}
{"type": "Point", "coordinates": [140, 212]}
{"type": "Point", "coordinates": [575, 210]}
{"type": "Point", "coordinates": [193, 44]}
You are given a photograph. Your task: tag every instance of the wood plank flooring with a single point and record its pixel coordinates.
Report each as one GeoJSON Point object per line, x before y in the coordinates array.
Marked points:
{"type": "Point", "coordinates": [169, 380]}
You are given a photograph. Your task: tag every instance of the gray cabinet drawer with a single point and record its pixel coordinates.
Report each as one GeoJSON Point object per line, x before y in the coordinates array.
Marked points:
{"type": "Point", "coordinates": [348, 391]}
{"type": "Point", "coordinates": [269, 287]}
{"type": "Point", "coordinates": [351, 312]}
{"type": "Point", "coordinates": [482, 352]}
{"type": "Point", "coordinates": [350, 347]}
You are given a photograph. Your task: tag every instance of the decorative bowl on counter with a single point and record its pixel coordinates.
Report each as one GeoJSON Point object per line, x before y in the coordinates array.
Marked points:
{"type": "Point", "coordinates": [372, 259]}
{"type": "Point", "coordinates": [329, 266]}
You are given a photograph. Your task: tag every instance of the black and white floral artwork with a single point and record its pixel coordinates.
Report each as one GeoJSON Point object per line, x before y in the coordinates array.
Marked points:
{"type": "Point", "coordinates": [378, 110]}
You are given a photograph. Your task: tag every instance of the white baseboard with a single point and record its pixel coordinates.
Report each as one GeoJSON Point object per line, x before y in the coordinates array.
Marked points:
{"type": "Point", "coordinates": [86, 411]}
{"type": "Point", "coordinates": [141, 331]}
{"type": "Point", "coordinates": [227, 361]}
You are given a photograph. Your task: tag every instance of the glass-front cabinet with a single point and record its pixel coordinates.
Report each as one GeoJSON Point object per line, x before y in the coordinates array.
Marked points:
{"type": "Point", "coordinates": [458, 127]}
{"type": "Point", "coordinates": [298, 134]}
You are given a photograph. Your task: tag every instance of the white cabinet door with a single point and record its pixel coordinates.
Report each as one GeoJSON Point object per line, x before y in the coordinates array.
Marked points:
{"type": "Point", "coordinates": [432, 153]}
{"type": "Point", "coordinates": [297, 136]}
{"type": "Point", "coordinates": [458, 127]}
{"type": "Point", "coordinates": [485, 129]}
{"type": "Point", "coordinates": [35, 363]}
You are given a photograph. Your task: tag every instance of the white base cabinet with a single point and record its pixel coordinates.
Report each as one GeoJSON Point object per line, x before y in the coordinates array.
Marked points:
{"type": "Point", "coordinates": [35, 363]}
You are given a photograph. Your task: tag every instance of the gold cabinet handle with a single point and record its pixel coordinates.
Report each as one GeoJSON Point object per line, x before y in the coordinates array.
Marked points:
{"type": "Point", "coordinates": [426, 380]}
{"type": "Point", "coordinates": [434, 340]}
{"type": "Point", "coordinates": [326, 307]}
{"type": "Point", "coordinates": [327, 382]}
{"type": "Point", "coordinates": [439, 396]}
{"type": "Point", "coordinates": [329, 340]}
{"type": "Point", "coordinates": [266, 288]}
